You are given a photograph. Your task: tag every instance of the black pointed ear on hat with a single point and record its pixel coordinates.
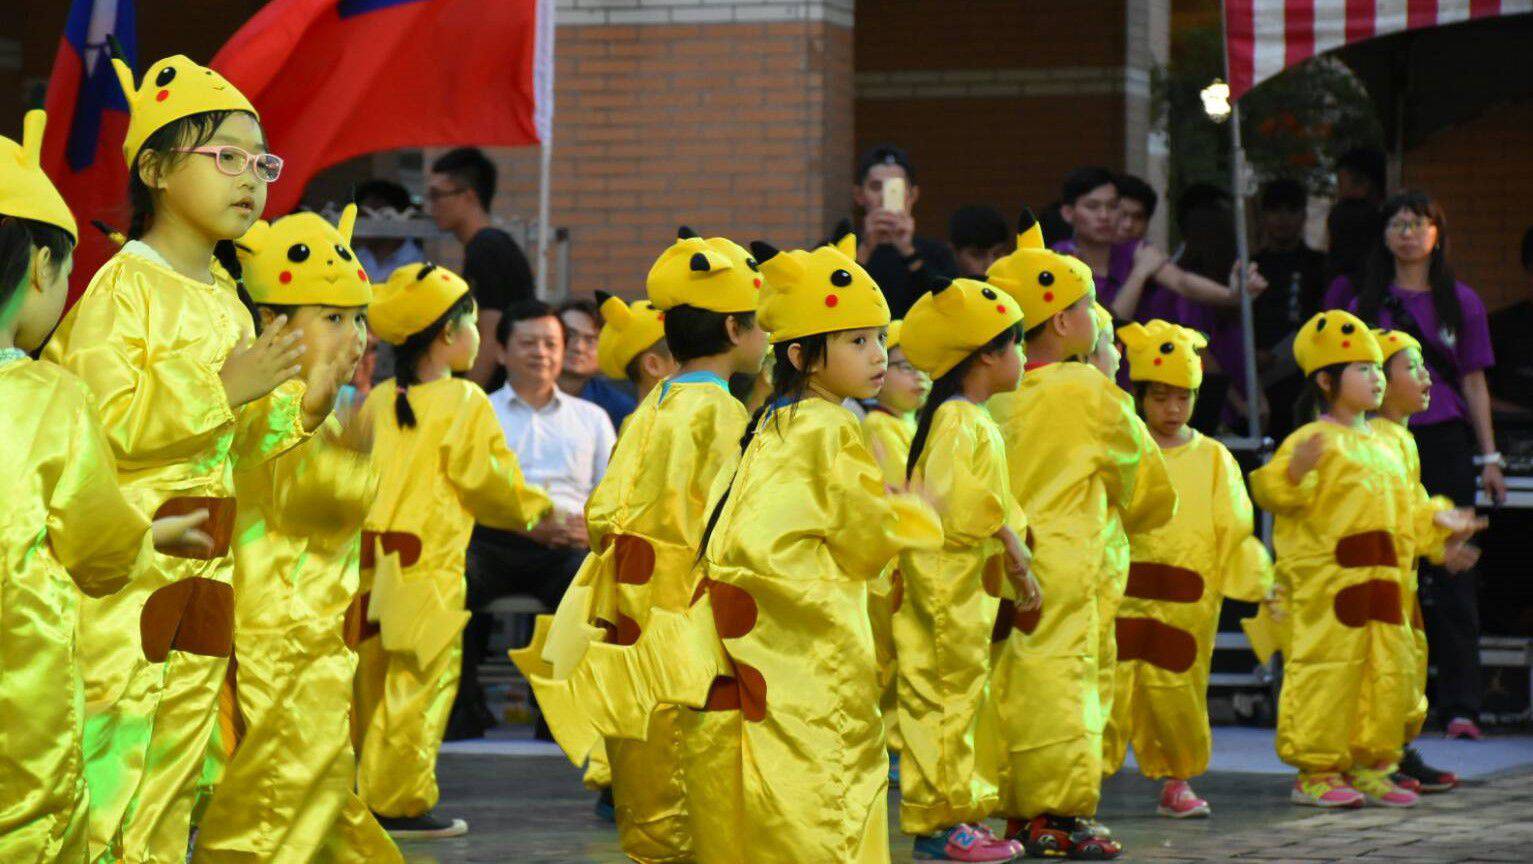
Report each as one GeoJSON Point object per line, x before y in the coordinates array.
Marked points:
{"type": "Point", "coordinates": [762, 251]}
{"type": "Point", "coordinates": [602, 297]}
{"type": "Point", "coordinates": [933, 281]}
{"type": "Point", "coordinates": [37, 97]}
{"type": "Point", "coordinates": [685, 233]}
{"type": "Point", "coordinates": [1029, 232]}
{"type": "Point", "coordinates": [425, 271]}
{"type": "Point", "coordinates": [699, 263]}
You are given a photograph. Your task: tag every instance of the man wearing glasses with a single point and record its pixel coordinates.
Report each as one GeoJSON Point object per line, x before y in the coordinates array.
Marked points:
{"type": "Point", "coordinates": [458, 195]}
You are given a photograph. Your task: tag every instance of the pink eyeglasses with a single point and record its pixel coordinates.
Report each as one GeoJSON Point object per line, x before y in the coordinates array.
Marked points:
{"type": "Point", "coordinates": [233, 161]}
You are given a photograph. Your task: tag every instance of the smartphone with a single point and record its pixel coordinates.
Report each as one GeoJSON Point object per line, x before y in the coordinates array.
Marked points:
{"type": "Point", "coordinates": [894, 194]}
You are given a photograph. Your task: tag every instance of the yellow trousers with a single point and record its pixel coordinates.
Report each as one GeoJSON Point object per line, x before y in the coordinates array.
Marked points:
{"type": "Point", "coordinates": [403, 710]}
{"type": "Point", "coordinates": [286, 795]}
{"type": "Point", "coordinates": [649, 794]}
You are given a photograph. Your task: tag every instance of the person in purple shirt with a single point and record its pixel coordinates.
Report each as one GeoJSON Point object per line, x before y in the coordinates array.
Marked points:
{"type": "Point", "coordinates": [1407, 285]}
{"type": "Point", "coordinates": [1134, 280]}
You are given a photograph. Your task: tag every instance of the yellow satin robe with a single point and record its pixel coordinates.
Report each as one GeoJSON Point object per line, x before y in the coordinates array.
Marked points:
{"type": "Point", "coordinates": [1166, 625]}
{"type": "Point", "coordinates": [1410, 458]}
{"type": "Point", "coordinates": [888, 437]}
{"type": "Point", "coordinates": [65, 525]}
{"type": "Point", "coordinates": [149, 343]}
{"type": "Point", "coordinates": [1347, 688]}
{"type": "Point", "coordinates": [646, 518]}
{"type": "Point", "coordinates": [287, 793]}
{"type": "Point", "coordinates": [451, 470]}
{"type": "Point", "coordinates": [806, 526]}
{"type": "Point", "coordinates": [942, 629]}
{"type": "Point", "coordinates": [1082, 467]}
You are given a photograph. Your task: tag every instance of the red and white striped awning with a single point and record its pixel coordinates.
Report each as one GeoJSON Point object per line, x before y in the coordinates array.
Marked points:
{"type": "Point", "coordinates": [1264, 37]}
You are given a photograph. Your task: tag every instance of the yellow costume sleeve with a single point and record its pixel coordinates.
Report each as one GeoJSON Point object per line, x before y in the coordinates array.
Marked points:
{"type": "Point", "coordinates": [324, 483]}
{"type": "Point", "coordinates": [1134, 471]}
{"type": "Point", "coordinates": [487, 476]}
{"type": "Point", "coordinates": [1270, 485]}
{"type": "Point", "coordinates": [96, 535]}
{"type": "Point", "coordinates": [888, 440]}
{"type": "Point", "coordinates": [872, 525]}
{"type": "Point", "coordinates": [1245, 568]}
{"type": "Point", "coordinates": [270, 426]}
{"type": "Point", "coordinates": [158, 406]}
{"type": "Point", "coordinates": [959, 471]}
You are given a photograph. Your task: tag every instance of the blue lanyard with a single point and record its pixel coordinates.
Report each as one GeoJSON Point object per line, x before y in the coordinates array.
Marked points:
{"type": "Point", "coordinates": [700, 377]}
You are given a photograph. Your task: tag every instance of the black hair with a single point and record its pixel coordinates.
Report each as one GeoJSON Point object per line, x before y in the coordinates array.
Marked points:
{"type": "Point", "coordinates": [1053, 224]}
{"type": "Point", "coordinates": [1379, 272]}
{"type": "Point", "coordinates": [1199, 196]}
{"type": "Point", "coordinates": [884, 154]}
{"type": "Point", "coordinates": [950, 385]}
{"type": "Point", "coordinates": [692, 332]}
{"type": "Point", "coordinates": [1135, 189]}
{"type": "Point", "coordinates": [977, 226]}
{"type": "Point", "coordinates": [192, 131]}
{"type": "Point", "coordinates": [789, 384]}
{"type": "Point", "coordinates": [584, 305]}
{"type": "Point", "coordinates": [408, 355]}
{"type": "Point", "coordinates": [1314, 399]}
{"type": "Point", "coordinates": [390, 193]}
{"type": "Point", "coordinates": [1353, 226]}
{"type": "Point", "coordinates": [471, 168]}
{"type": "Point", "coordinates": [1142, 389]}
{"type": "Point", "coordinates": [1284, 193]}
{"type": "Point", "coordinates": [633, 370]}
{"type": "Point", "coordinates": [1369, 163]}
{"type": "Point", "coordinates": [1082, 181]}
{"type": "Point", "coordinates": [18, 237]}
{"type": "Point", "coordinates": [526, 310]}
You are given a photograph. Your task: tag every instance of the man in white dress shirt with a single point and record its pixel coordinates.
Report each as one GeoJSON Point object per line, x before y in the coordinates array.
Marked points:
{"type": "Point", "coordinates": [562, 443]}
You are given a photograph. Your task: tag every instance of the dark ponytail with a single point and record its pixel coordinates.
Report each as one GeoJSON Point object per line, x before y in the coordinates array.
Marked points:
{"type": "Point", "coordinates": [408, 355]}
{"type": "Point", "coordinates": [789, 384]}
{"type": "Point", "coordinates": [948, 386]}
{"type": "Point", "coordinates": [1314, 400]}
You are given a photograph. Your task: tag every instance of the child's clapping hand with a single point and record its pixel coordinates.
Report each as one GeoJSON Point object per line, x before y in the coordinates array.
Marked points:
{"type": "Point", "coordinates": [254, 369]}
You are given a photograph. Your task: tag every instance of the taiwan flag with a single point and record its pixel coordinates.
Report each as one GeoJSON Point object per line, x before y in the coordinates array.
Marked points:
{"type": "Point", "coordinates": [87, 121]}
{"type": "Point", "coordinates": [335, 79]}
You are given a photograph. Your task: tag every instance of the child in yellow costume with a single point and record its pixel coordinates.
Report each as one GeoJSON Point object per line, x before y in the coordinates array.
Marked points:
{"type": "Point", "coordinates": [887, 429]}
{"type": "Point", "coordinates": [1407, 391]}
{"type": "Point", "coordinates": [632, 346]}
{"type": "Point", "coordinates": [796, 535]}
{"type": "Point", "coordinates": [66, 524]}
{"type": "Point", "coordinates": [1084, 470]}
{"type": "Point", "coordinates": [443, 466]}
{"type": "Point", "coordinates": [966, 335]}
{"type": "Point", "coordinates": [1180, 574]}
{"type": "Point", "coordinates": [287, 793]}
{"type": "Point", "coordinates": [164, 343]}
{"type": "Point", "coordinates": [646, 518]}
{"type": "Point", "coordinates": [1339, 493]}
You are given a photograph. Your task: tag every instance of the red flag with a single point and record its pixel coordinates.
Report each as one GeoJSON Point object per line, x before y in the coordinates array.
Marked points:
{"type": "Point", "coordinates": [334, 79]}
{"type": "Point", "coordinates": [87, 121]}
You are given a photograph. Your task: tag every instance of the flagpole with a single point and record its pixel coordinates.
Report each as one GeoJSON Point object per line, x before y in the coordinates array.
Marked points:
{"type": "Point", "coordinates": [1242, 248]}
{"type": "Point", "coordinates": [545, 175]}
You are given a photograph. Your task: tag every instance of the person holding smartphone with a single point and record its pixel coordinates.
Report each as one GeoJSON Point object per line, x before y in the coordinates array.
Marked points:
{"type": "Point", "coordinates": [897, 259]}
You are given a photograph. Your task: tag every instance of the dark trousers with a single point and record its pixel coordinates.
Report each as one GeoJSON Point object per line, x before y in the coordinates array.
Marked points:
{"type": "Point", "coordinates": [501, 563]}
{"type": "Point", "coordinates": [1450, 602]}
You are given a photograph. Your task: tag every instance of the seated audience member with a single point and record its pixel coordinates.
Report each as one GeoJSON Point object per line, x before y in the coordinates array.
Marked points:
{"type": "Point", "coordinates": [581, 375]}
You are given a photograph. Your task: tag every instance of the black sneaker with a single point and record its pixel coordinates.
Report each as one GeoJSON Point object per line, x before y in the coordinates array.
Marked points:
{"type": "Point", "coordinates": [1431, 779]}
{"type": "Point", "coordinates": [427, 826]}
{"type": "Point", "coordinates": [605, 811]}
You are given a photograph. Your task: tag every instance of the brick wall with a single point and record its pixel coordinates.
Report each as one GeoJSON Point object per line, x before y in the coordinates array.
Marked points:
{"type": "Point", "coordinates": [1482, 174]}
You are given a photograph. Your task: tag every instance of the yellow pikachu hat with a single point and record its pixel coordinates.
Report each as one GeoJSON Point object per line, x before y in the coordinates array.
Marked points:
{"type": "Point", "coordinates": [896, 330]}
{"type": "Point", "coordinates": [819, 291]}
{"type": "Point", "coordinates": [173, 88]}
{"type": "Point", "coordinates": [1043, 281]}
{"type": "Point", "coordinates": [1392, 342]}
{"type": "Point", "coordinates": [714, 274]}
{"type": "Point", "coordinates": [952, 321]}
{"type": "Point", "coordinates": [1333, 337]}
{"type": "Point", "coordinates": [626, 332]}
{"type": "Point", "coordinates": [1164, 352]}
{"type": "Point", "coordinates": [25, 191]}
{"type": "Point", "coordinates": [302, 260]}
{"type": "Point", "coordinates": [412, 299]}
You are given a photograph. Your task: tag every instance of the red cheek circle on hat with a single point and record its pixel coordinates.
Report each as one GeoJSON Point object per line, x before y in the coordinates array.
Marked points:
{"type": "Point", "coordinates": [1048, 296]}
{"type": "Point", "coordinates": [162, 96]}
{"type": "Point", "coordinates": [1157, 361]}
{"type": "Point", "coordinates": [1001, 308]}
{"type": "Point", "coordinates": [756, 282]}
{"type": "Point", "coordinates": [361, 274]}
{"type": "Point", "coordinates": [1346, 343]}
{"type": "Point", "coordinates": [285, 277]}
{"type": "Point", "coordinates": [831, 300]}
{"type": "Point", "coordinates": [446, 278]}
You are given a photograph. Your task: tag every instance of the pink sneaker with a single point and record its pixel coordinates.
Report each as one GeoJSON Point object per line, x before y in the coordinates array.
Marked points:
{"type": "Point", "coordinates": [1325, 790]}
{"type": "Point", "coordinates": [1178, 801]}
{"type": "Point", "coordinates": [1015, 846]}
{"type": "Point", "coordinates": [1380, 792]}
{"type": "Point", "coordinates": [961, 843]}
{"type": "Point", "coordinates": [1463, 727]}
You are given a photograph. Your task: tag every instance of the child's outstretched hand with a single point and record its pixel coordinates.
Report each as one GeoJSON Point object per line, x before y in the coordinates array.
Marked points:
{"type": "Point", "coordinates": [322, 385]}
{"type": "Point", "coordinates": [1305, 458]}
{"type": "Point", "coordinates": [181, 533]}
{"type": "Point", "coordinates": [257, 368]}
{"type": "Point", "coordinates": [356, 425]}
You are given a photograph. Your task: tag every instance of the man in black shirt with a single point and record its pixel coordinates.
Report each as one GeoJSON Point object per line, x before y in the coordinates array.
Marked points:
{"type": "Point", "coordinates": [461, 186]}
{"type": "Point", "coordinates": [888, 247]}
{"type": "Point", "coordinates": [1295, 275]}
